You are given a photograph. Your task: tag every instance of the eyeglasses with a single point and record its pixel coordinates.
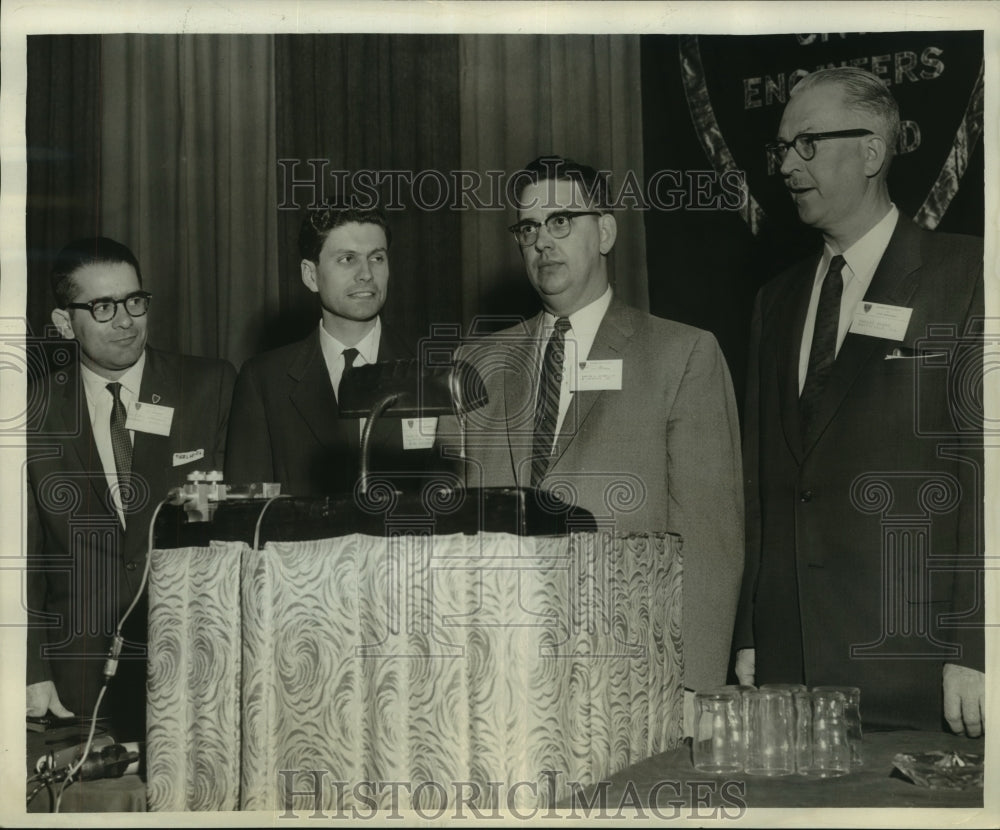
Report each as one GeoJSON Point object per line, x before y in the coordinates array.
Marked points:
{"type": "Point", "coordinates": [805, 144]}
{"type": "Point", "coordinates": [557, 224]}
{"type": "Point", "coordinates": [104, 309]}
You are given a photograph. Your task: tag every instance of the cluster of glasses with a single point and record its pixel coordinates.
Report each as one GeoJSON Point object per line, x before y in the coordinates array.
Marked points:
{"type": "Point", "coordinates": [778, 729]}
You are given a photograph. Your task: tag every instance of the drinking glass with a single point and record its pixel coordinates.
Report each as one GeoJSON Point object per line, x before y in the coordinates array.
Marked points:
{"type": "Point", "coordinates": [718, 744]}
{"type": "Point", "coordinates": [770, 750]}
{"type": "Point", "coordinates": [821, 747]}
{"type": "Point", "coordinates": [852, 712]}
{"type": "Point", "coordinates": [791, 688]}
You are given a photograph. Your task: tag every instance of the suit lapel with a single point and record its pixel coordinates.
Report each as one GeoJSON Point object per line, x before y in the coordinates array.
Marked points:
{"type": "Point", "coordinates": [894, 283]}
{"type": "Point", "coordinates": [151, 453]}
{"type": "Point", "coordinates": [72, 418]}
{"type": "Point", "coordinates": [519, 387]}
{"type": "Point", "coordinates": [610, 343]}
{"type": "Point", "coordinates": [790, 317]}
{"type": "Point", "coordinates": [314, 400]}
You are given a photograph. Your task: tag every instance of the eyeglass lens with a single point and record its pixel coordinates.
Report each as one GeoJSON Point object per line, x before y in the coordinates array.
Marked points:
{"type": "Point", "coordinates": [136, 305]}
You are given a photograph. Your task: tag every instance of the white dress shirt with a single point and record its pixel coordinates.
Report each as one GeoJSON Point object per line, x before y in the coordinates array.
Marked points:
{"type": "Point", "coordinates": [861, 260]}
{"type": "Point", "coordinates": [99, 405]}
{"type": "Point", "coordinates": [333, 351]}
{"type": "Point", "coordinates": [579, 339]}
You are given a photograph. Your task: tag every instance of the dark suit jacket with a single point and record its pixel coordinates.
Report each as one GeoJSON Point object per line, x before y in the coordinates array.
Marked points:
{"type": "Point", "coordinates": [661, 454]}
{"type": "Point", "coordinates": [846, 533]}
{"type": "Point", "coordinates": [286, 428]}
{"type": "Point", "coordinates": [84, 569]}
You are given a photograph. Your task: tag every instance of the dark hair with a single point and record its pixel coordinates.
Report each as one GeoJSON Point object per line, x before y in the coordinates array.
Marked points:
{"type": "Point", "coordinates": [317, 224]}
{"type": "Point", "coordinates": [592, 183]}
{"type": "Point", "coordinates": [863, 91]}
{"type": "Point", "coordinates": [82, 252]}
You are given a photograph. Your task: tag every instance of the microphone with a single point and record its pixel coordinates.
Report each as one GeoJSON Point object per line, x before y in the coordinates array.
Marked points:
{"type": "Point", "coordinates": [110, 762]}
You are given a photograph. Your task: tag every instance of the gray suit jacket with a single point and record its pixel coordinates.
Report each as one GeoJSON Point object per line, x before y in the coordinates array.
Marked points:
{"type": "Point", "coordinates": [661, 454]}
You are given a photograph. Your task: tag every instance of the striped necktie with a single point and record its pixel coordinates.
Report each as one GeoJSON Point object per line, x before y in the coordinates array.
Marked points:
{"type": "Point", "coordinates": [547, 404]}
{"type": "Point", "coordinates": [823, 351]}
{"type": "Point", "coordinates": [120, 442]}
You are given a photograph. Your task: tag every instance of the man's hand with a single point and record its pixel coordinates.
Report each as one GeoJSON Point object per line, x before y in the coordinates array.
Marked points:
{"type": "Point", "coordinates": [964, 690]}
{"type": "Point", "coordinates": [43, 698]}
{"type": "Point", "coordinates": [688, 725]}
{"type": "Point", "coordinates": [746, 666]}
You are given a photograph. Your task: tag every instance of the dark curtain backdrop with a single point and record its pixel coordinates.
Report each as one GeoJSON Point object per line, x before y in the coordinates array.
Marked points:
{"type": "Point", "coordinates": [173, 143]}
{"type": "Point", "coordinates": [189, 184]}
{"type": "Point", "coordinates": [370, 103]}
{"type": "Point", "coordinates": [529, 95]}
{"type": "Point", "coordinates": [63, 157]}
{"type": "Point", "coordinates": [706, 266]}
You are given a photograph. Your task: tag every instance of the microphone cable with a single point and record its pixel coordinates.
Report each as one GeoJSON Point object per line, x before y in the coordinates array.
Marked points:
{"type": "Point", "coordinates": [111, 664]}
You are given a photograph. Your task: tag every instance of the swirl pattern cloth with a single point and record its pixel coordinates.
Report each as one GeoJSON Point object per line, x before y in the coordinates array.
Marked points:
{"type": "Point", "coordinates": [193, 693]}
{"type": "Point", "coordinates": [422, 670]}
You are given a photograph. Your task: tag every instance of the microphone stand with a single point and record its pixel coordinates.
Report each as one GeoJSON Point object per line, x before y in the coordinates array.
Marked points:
{"type": "Point", "coordinates": [380, 406]}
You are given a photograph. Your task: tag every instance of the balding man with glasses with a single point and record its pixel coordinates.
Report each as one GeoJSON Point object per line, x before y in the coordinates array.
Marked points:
{"type": "Point", "coordinates": [625, 414]}
{"type": "Point", "coordinates": [863, 433]}
{"type": "Point", "coordinates": [120, 426]}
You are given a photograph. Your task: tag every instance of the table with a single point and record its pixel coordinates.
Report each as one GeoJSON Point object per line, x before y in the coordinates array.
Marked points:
{"type": "Point", "coordinates": [671, 777]}
{"type": "Point", "coordinates": [422, 664]}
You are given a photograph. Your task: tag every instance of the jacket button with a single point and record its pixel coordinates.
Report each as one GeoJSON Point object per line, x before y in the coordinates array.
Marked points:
{"type": "Point", "coordinates": [130, 566]}
{"type": "Point", "coordinates": [805, 496]}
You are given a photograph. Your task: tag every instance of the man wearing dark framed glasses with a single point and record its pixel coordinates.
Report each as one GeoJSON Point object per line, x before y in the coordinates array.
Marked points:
{"type": "Point", "coordinates": [852, 420]}
{"type": "Point", "coordinates": [121, 424]}
{"type": "Point", "coordinates": [625, 414]}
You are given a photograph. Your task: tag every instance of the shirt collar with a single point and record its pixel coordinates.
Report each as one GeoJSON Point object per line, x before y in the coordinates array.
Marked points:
{"type": "Point", "coordinates": [584, 321]}
{"type": "Point", "coordinates": [864, 255]}
{"type": "Point", "coordinates": [367, 346]}
{"type": "Point", "coordinates": [131, 380]}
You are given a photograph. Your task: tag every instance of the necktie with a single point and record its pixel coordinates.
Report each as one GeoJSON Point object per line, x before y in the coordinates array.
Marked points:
{"type": "Point", "coordinates": [547, 404]}
{"type": "Point", "coordinates": [350, 355]}
{"type": "Point", "coordinates": [120, 443]}
{"type": "Point", "coordinates": [824, 344]}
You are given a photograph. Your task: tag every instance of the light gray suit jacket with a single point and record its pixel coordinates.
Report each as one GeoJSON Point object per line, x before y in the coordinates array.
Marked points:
{"type": "Point", "coordinates": [661, 454]}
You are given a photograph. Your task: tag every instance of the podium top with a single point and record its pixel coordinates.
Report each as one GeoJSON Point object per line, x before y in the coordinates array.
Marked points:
{"type": "Point", "coordinates": [381, 512]}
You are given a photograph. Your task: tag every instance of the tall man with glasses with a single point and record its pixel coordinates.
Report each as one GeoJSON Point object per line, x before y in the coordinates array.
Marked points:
{"type": "Point", "coordinates": [119, 423]}
{"type": "Point", "coordinates": [863, 433]}
{"type": "Point", "coordinates": [628, 415]}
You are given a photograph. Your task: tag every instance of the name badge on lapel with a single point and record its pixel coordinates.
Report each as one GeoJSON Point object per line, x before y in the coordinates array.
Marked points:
{"type": "Point", "coordinates": [878, 320]}
{"type": "Point", "coordinates": [418, 433]}
{"type": "Point", "coordinates": [596, 376]}
{"type": "Point", "coordinates": [150, 417]}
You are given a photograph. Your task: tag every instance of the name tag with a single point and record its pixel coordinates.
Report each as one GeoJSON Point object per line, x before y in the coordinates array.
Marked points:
{"type": "Point", "coordinates": [418, 433]}
{"type": "Point", "coordinates": [150, 417]}
{"type": "Point", "coordinates": [596, 376]}
{"type": "Point", "coordinates": [188, 457]}
{"type": "Point", "coordinates": [877, 320]}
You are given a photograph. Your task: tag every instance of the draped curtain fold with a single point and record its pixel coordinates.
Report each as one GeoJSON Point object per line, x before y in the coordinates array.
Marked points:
{"type": "Point", "coordinates": [188, 182]}
{"type": "Point", "coordinates": [360, 105]}
{"type": "Point", "coordinates": [530, 95]}
{"type": "Point", "coordinates": [62, 126]}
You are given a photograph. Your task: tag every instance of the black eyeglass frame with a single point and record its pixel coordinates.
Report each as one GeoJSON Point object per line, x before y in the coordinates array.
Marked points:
{"type": "Point", "coordinates": [530, 226]}
{"type": "Point", "coordinates": [778, 149]}
{"type": "Point", "coordinates": [89, 306]}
